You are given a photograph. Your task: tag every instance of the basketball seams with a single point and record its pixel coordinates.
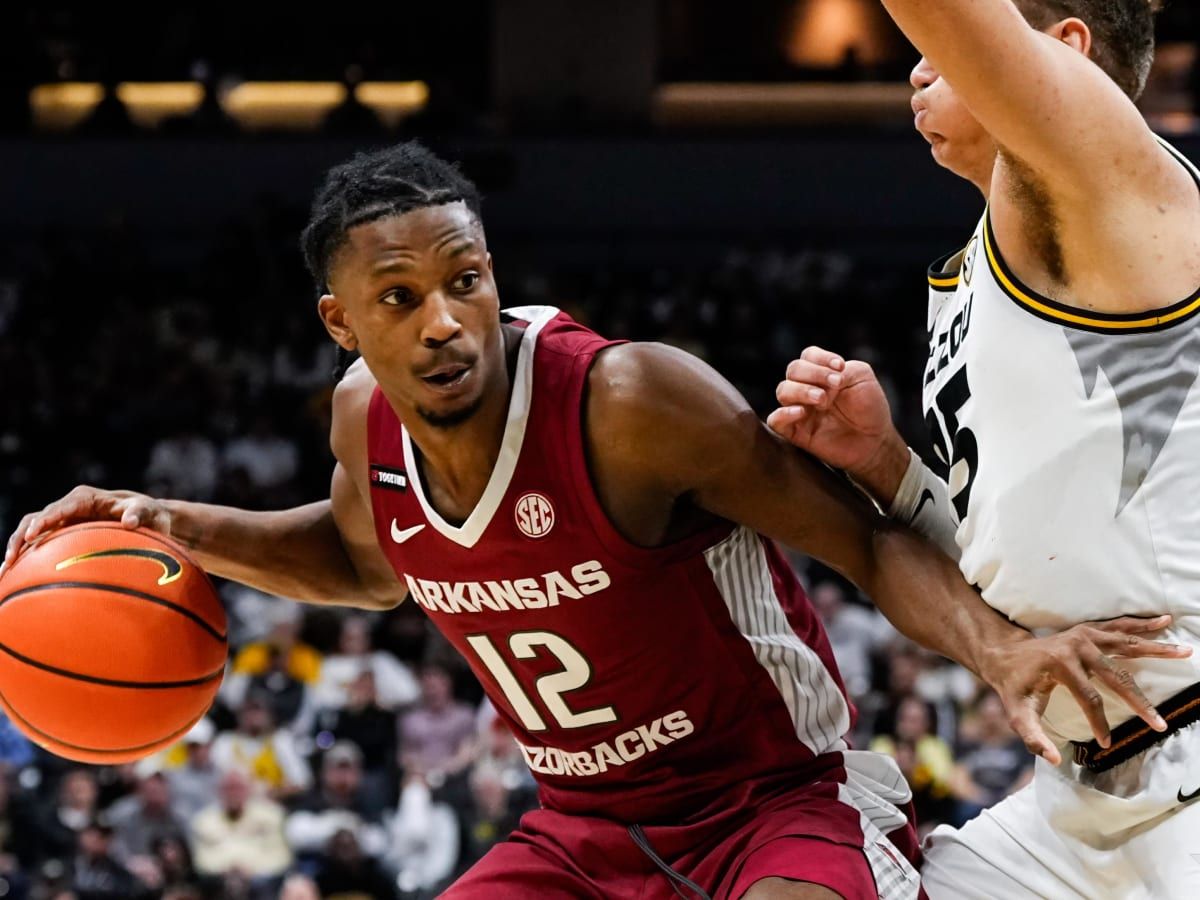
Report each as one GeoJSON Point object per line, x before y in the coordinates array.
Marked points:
{"type": "Point", "coordinates": [111, 682]}
{"type": "Point", "coordinates": [196, 618]}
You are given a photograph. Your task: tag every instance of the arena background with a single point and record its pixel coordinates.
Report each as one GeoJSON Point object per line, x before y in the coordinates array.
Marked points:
{"type": "Point", "coordinates": [737, 179]}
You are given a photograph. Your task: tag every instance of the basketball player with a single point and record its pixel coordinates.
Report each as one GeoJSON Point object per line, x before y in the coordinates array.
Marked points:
{"type": "Point", "coordinates": [1061, 394]}
{"type": "Point", "coordinates": [581, 518]}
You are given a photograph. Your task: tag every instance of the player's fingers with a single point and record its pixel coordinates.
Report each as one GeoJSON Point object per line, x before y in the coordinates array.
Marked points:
{"type": "Point", "coordinates": [823, 357]}
{"type": "Point", "coordinates": [64, 512]}
{"type": "Point", "coordinates": [790, 393]}
{"type": "Point", "coordinates": [805, 372]}
{"type": "Point", "coordinates": [1074, 678]}
{"type": "Point", "coordinates": [141, 512]}
{"type": "Point", "coordinates": [1131, 646]}
{"type": "Point", "coordinates": [1133, 624]}
{"type": "Point", "coordinates": [1124, 685]}
{"type": "Point", "coordinates": [1025, 719]}
{"type": "Point", "coordinates": [17, 539]}
{"type": "Point", "coordinates": [784, 421]}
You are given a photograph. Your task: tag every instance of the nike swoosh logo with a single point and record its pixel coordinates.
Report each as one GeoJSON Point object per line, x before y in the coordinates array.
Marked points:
{"type": "Point", "coordinates": [926, 497]}
{"type": "Point", "coordinates": [1184, 798]}
{"type": "Point", "coordinates": [401, 536]}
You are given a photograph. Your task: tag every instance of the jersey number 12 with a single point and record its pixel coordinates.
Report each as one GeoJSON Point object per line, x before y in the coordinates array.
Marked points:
{"type": "Point", "coordinates": [575, 673]}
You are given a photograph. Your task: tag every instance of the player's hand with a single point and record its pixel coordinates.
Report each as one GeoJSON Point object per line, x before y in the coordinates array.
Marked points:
{"type": "Point", "coordinates": [836, 410]}
{"type": "Point", "coordinates": [88, 504]}
{"type": "Point", "coordinates": [1025, 671]}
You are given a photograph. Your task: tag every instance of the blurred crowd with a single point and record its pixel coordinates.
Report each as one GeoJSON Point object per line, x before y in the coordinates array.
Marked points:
{"type": "Point", "coordinates": [351, 754]}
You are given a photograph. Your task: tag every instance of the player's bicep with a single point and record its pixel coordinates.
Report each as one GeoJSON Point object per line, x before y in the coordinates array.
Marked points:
{"type": "Point", "coordinates": [678, 426]}
{"type": "Point", "coordinates": [356, 528]}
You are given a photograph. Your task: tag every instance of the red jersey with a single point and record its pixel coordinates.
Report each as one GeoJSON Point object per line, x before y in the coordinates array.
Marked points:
{"type": "Point", "coordinates": [638, 682]}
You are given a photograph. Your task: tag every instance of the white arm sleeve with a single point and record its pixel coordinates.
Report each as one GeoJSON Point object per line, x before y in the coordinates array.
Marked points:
{"type": "Point", "coordinates": [923, 502]}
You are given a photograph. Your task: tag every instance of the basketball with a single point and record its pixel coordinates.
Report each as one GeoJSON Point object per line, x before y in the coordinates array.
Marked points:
{"type": "Point", "coordinates": [112, 642]}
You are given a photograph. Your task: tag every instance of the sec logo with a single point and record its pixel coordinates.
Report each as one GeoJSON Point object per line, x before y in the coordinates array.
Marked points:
{"type": "Point", "coordinates": [535, 515]}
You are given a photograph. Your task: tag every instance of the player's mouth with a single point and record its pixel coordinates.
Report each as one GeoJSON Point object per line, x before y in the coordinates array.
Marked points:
{"type": "Point", "coordinates": [448, 378]}
{"type": "Point", "coordinates": [920, 115]}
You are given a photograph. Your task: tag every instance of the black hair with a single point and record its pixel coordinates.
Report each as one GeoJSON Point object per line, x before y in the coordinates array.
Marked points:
{"type": "Point", "coordinates": [1122, 34]}
{"type": "Point", "coordinates": [371, 186]}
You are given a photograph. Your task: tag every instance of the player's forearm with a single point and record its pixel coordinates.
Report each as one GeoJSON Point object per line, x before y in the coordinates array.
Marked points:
{"type": "Point", "coordinates": [922, 593]}
{"type": "Point", "coordinates": [968, 41]}
{"type": "Point", "coordinates": [295, 553]}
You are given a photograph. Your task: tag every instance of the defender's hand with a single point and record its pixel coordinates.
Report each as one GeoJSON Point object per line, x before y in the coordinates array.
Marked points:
{"type": "Point", "coordinates": [86, 504]}
{"type": "Point", "coordinates": [836, 410]}
{"type": "Point", "coordinates": [1024, 672]}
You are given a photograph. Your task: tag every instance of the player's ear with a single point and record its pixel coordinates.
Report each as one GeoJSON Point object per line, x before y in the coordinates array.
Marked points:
{"type": "Point", "coordinates": [491, 268]}
{"type": "Point", "coordinates": [337, 323]}
{"type": "Point", "coordinates": [1074, 33]}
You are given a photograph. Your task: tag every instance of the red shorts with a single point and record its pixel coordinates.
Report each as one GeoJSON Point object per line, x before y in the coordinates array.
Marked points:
{"type": "Point", "coordinates": [818, 833]}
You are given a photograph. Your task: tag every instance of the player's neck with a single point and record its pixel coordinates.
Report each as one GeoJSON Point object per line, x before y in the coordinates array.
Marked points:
{"type": "Point", "coordinates": [983, 176]}
{"type": "Point", "coordinates": [456, 463]}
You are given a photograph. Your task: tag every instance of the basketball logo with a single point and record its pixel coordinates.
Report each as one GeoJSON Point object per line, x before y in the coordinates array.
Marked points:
{"type": "Point", "coordinates": [535, 515]}
{"type": "Point", "coordinates": [171, 566]}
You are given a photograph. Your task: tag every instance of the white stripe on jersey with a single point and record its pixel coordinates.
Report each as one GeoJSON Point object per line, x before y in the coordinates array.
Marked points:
{"type": "Point", "coordinates": [876, 788]}
{"type": "Point", "coordinates": [817, 707]}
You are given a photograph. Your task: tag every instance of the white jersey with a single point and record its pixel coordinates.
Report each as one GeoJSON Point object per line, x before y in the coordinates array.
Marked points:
{"type": "Point", "coordinates": [1072, 440]}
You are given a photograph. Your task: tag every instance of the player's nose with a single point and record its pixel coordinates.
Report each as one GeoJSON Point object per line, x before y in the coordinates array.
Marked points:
{"type": "Point", "coordinates": [923, 75]}
{"type": "Point", "coordinates": [439, 325]}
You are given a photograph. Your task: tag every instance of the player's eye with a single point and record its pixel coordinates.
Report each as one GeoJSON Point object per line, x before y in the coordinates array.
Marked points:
{"type": "Point", "coordinates": [397, 297]}
{"type": "Point", "coordinates": [466, 281]}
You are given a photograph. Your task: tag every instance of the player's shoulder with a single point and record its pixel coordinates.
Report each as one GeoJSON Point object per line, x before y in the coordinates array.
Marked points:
{"type": "Point", "coordinates": [647, 374]}
{"type": "Point", "coordinates": [649, 399]}
{"type": "Point", "coordinates": [351, 402]}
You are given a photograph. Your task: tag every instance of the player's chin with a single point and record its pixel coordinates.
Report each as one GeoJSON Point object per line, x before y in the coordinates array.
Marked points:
{"type": "Point", "coordinates": [941, 150]}
{"type": "Point", "coordinates": [446, 412]}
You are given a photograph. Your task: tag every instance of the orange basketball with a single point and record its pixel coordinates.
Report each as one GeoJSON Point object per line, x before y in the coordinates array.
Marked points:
{"type": "Point", "coordinates": [112, 642]}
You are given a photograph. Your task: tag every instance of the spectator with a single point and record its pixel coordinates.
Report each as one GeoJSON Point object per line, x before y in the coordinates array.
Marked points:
{"type": "Point", "coordinates": [14, 847]}
{"type": "Point", "coordinates": [493, 815]}
{"type": "Point", "coordinates": [347, 872]}
{"type": "Point", "coordinates": [267, 754]}
{"type": "Point", "coordinates": [282, 647]}
{"type": "Point", "coordinates": [95, 874]}
{"type": "Point", "coordinates": [339, 804]}
{"type": "Point", "coordinates": [174, 862]}
{"type": "Point", "coordinates": [993, 761]}
{"type": "Point", "coordinates": [424, 839]}
{"type": "Point", "coordinates": [855, 633]}
{"type": "Point", "coordinates": [395, 684]}
{"type": "Point", "coordinates": [194, 783]}
{"type": "Point", "coordinates": [286, 696]}
{"type": "Point", "coordinates": [15, 750]}
{"type": "Point", "coordinates": [369, 727]}
{"type": "Point", "coordinates": [499, 751]}
{"type": "Point", "coordinates": [183, 465]}
{"type": "Point", "coordinates": [299, 887]}
{"type": "Point", "coordinates": [437, 738]}
{"type": "Point", "coordinates": [143, 817]}
{"type": "Point", "coordinates": [240, 833]}
{"type": "Point", "coordinates": [269, 459]}
{"type": "Point", "coordinates": [59, 826]}
{"type": "Point", "coordinates": [924, 758]}
{"type": "Point", "coordinates": [253, 613]}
